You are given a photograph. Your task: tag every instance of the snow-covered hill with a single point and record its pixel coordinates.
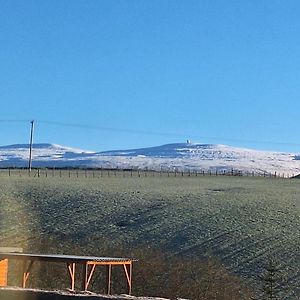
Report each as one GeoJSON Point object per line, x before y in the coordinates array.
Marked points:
{"type": "Point", "coordinates": [180, 156]}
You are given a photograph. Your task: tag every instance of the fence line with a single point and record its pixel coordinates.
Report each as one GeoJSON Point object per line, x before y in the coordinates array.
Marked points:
{"type": "Point", "coordinates": [98, 173]}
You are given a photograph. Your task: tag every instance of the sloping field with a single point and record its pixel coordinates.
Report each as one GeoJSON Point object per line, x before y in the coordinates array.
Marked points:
{"type": "Point", "coordinates": [242, 221]}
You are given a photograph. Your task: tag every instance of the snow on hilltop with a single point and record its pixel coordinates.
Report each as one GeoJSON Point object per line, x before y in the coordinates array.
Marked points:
{"type": "Point", "coordinates": [180, 156]}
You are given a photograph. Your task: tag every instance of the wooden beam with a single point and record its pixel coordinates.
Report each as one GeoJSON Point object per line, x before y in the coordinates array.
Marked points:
{"type": "Point", "coordinates": [109, 269]}
{"type": "Point", "coordinates": [130, 278]}
{"type": "Point", "coordinates": [11, 249]}
{"type": "Point", "coordinates": [3, 272]}
{"type": "Point", "coordinates": [87, 276]}
{"type": "Point", "coordinates": [26, 272]}
{"type": "Point", "coordinates": [84, 277]}
{"type": "Point", "coordinates": [128, 275]}
{"type": "Point", "coordinates": [112, 262]}
{"type": "Point", "coordinates": [71, 268]}
{"type": "Point", "coordinates": [90, 275]}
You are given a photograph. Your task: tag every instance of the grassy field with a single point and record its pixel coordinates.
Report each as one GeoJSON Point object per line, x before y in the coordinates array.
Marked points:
{"type": "Point", "coordinates": [241, 221]}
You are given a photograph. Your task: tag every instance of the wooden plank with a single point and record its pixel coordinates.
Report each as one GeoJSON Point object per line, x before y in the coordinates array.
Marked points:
{"type": "Point", "coordinates": [11, 249]}
{"type": "Point", "coordinates": [71, 268]}
{"type": "Point", "coordinates": [84, 283]}
{"type": "Point", "coordinates": [3, 272]}
{"type": "Point", "coordinates": [66, 258]}
{"type": "Point", "coordinates": [90, 276]}
{"type": "Point", "coordinates": [109, 279]}
{"type": "Point", "coordinates": [114, 263]}
{"type": "Point", "coordinates": [26, 272]}
{"type": "Point", "coordinates": [128, 274]}
{"type": "Point", "coordinates": [130, 278]}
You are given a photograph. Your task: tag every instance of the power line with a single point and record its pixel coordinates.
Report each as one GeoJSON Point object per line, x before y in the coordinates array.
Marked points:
{"type": "Point", "coordinates": [176, 135]}
{"type": "Point", "coordinates": [113, 129]}
{"type": "Point", "coordinates": [154, 133]}
{"type": "Point", "coordinates": [30, 145]}
{"type": "Point", "coordinates": [13, 121]}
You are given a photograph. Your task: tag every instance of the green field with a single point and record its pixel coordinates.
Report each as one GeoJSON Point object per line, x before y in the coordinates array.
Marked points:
{"type": "Point", "coordinates": [242, 221]}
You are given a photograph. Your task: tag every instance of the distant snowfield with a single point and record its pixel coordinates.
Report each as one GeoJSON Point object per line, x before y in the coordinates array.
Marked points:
{"type": "Point", "coordinates": [180, 157]}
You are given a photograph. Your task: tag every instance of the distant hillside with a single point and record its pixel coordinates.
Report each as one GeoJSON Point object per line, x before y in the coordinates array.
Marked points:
{"type": "Point", "coordinates": [180, 156]}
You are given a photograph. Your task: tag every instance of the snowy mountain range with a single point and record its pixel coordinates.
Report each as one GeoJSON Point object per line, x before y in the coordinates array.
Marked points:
{"type": "Point", "coordinates": [180, 156]}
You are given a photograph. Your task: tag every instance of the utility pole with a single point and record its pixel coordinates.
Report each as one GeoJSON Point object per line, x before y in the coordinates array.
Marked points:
{"type": "Point", "coordinates": [30, 146]}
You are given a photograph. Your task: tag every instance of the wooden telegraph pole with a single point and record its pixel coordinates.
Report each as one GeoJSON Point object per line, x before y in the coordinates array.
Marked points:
{"type": "Point", "coordinates": [30, 146]}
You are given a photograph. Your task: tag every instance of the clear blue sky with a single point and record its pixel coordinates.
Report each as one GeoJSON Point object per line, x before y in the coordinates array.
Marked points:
{"type": "Point", "coordinates": [213, 71]}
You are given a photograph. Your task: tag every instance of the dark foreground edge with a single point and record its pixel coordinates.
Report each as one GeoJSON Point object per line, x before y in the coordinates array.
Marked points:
{"type": "Point", "coordinates": [33, 294]}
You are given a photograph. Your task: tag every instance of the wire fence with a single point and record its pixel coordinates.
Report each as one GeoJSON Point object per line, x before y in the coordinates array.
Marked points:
{"type": "Point", "coordinates": [137, 173]}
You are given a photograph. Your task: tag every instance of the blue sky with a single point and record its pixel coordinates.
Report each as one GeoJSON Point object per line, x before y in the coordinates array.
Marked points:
{"type": "Point", "coordinates": [213, 71]}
